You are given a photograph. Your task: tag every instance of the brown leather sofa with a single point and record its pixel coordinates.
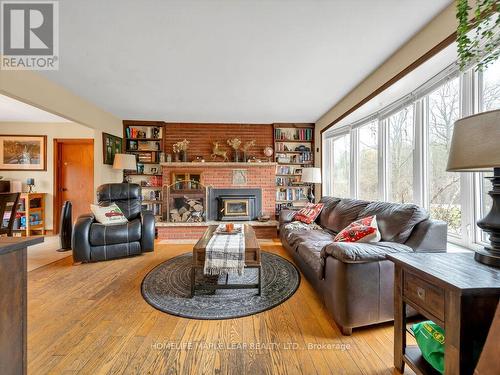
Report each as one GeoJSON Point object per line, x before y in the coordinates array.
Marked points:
{"type": "Point", "coordinates": [354, 280]}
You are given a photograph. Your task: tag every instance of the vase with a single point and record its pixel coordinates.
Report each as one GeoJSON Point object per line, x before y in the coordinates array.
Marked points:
{"type": "Point", "coordinates": [176, 156]}
{"type": "Point", "coordinates": [184, 156]}
{"type": "Point", "coordinates": [236, 156]}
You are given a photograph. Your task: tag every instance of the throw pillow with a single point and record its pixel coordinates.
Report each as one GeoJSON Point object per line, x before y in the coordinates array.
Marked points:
{"type": "Point", "coordinates": [109, 214]}
{"type": "Point", "coordinates": [309, 213]}
{"type": "Point", "coordinates": [362, 230]}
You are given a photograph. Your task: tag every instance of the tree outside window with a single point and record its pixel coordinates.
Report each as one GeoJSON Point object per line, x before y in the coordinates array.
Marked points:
{"type": "Point", "coordinates": [444, 187]}
{"type": "Point", "coordinates": [400, 157]}
{"type": "Point", "coordinates": [368, 161]}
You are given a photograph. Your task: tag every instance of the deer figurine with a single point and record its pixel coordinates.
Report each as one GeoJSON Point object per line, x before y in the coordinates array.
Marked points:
{"type": "Point", "coordinates": [217, 151]}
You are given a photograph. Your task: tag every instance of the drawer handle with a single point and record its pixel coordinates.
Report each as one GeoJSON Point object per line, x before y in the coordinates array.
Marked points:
{"type": "Point", "coordinates": [421, 293]}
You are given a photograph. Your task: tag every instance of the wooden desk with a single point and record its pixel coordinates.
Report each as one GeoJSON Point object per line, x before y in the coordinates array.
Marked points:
{"type": "Point", "coordinates": [13, 303]}
{"type": "Point", "coordinates": [455, 292]}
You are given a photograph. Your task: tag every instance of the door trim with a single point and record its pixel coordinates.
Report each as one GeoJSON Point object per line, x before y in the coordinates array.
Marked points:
{"type": "Point", "coordinates": [57, 200]}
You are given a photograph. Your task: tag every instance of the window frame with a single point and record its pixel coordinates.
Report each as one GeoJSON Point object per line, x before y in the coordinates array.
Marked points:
{"type": "Point", "coordinates": [470, 102]}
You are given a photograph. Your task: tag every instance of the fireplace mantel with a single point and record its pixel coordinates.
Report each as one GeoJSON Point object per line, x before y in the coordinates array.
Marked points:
{"type": "Point", "coordinates": [217, 164]}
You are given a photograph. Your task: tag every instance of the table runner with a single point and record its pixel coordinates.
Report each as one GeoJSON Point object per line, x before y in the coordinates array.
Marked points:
{"type": "Point", "coordinates": [225, 253]}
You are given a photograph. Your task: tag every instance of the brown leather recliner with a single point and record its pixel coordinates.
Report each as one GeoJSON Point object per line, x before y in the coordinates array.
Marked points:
{"type": "Point", "coordinates": [354, 280]}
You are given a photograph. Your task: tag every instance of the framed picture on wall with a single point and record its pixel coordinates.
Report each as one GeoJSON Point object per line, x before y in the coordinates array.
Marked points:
{"type": "Point", "coordinates": [23, 152]}
{"type": "Point", "coordinates": [111, 145]}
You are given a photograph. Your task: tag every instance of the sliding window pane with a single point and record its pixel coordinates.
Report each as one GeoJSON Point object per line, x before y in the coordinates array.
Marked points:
{"type": "Point", "coordinates": [341, 166]}
{"type": "Point", "coordinates": [491, 87]}
{"type": "Point", "coordinates": [400, 155]}
{"type": "Point", "coordinates": [490, 96]}
{"type": "Point", "coordinates": [368, 162]}
{"type": "Point", "coordinates": [327, 167]}
{"type": "Point", "coordinates": [444, 187]}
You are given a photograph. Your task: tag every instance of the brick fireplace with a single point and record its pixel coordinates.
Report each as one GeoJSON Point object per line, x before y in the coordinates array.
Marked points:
{"type": "Point", "coordinates": [225, 177]}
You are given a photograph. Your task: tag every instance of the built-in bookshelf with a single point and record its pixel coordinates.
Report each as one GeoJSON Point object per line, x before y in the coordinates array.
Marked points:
{"type": "Point", "coordinates": [145, 139]}
{"type": "Point", "coordinates": [293, 150]}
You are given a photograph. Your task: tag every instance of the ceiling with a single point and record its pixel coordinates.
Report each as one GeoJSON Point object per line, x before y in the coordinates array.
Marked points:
{"type": "Point", "coordinates": [12, 110]}
{"type": "Point", "coordinates": [228, 61]}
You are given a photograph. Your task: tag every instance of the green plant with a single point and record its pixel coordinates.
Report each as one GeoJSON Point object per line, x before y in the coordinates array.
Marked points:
{"type": "Point", "coordinates": [482, 47]}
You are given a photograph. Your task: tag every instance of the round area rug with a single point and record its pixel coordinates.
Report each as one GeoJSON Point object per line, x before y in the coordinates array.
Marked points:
{"type": "Point", "coordinates": [167, 288]}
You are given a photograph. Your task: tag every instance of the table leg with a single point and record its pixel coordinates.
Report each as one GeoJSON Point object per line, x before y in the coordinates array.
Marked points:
{"type": "Point", "coordinates": [193, 279]}
{"type": "Point", "coordinates": [260, 280]}
{"type": "Point", "coordinates": [399, 321]}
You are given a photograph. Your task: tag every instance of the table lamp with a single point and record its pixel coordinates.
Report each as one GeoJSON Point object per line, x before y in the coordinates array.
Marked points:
{"type": "Point", "coordinates": [125, 162]}
{"type": "Point", "coordinates": [30, 182]}
{"type": "Point", "coordinates": [475, 147]}
{"type": "Point", "coordinates": [311, 176]}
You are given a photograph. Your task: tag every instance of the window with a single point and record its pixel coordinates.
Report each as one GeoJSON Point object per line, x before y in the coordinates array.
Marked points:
{"type": "Point", "coordinates": [444, 187]}
{"type": "Point", "coordinates": [490, 100]}
{"type": "Point", "coordinates": [400, 152]}
{"type": "Point", "coordinates": [341, 165]}
{"type": "Point", "coordinates": [368, 161]}
{"type": "Point", "coordinates": [491, 87]}
{"type": "Point", "coordinates": [400, 155]}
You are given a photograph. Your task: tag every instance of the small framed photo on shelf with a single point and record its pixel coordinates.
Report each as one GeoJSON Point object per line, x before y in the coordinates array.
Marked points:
{"type": "Point", "coordinates": [154, 170]}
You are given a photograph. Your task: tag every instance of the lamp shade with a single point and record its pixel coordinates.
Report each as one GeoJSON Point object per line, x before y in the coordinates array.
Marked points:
{"type": "Point", "coordinates": [475, 145]}
{"type": "Point", "coordinates": [311, 175]}
{"type": "Point", "coordinates": [125, 162]}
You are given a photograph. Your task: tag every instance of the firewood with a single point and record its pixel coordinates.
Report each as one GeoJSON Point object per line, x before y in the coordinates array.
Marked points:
{"type": "Point", "coordinates": [175, 217]}
{"type": "Point", "coordinates": [198, 207]}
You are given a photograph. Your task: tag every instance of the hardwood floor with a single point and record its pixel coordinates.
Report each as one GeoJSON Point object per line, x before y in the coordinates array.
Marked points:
{"type": "Point", "coordinates": [91, 319]}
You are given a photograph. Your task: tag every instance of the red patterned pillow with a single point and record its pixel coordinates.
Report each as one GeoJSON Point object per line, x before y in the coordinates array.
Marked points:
{"type": "Point", "coordinates": [362, 230]}
{"type": "Point", "coordinates": [309, 213]}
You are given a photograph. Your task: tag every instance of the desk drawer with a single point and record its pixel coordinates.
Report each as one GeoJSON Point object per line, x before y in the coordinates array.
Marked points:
{"type": "Point", "coordinates": [424, 294]}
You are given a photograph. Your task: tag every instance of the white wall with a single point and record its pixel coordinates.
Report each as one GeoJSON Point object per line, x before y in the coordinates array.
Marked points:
{"type": "Point", "coordinates": [44, 180]}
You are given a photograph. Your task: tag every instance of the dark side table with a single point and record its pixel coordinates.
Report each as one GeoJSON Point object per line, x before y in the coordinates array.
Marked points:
{"type": "Point", "coordinates": [455, 292]}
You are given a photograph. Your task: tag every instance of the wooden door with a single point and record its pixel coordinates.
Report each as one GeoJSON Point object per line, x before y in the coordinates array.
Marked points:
{"type": "Point", "coordinates": [74, 161]}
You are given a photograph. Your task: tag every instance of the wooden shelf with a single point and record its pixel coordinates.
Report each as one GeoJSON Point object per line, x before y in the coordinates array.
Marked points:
{"type": "Point", "coordinates": [142, 174]}
{"type": "Point", "coordinates": [289, 175]}
{"type": "Point", "coordinates": [414, 359]}
{"type": "Point", "coordinates": [145, 139]}
{"type": "Point", "coordinates": [31, 199]}
{"type": "Point", "coordinates": [143, 151]}
{"type": "Point", "coordinates": [308, 163]}
{"type": "Point", "coordinates": [291, 152]}
{"type": "Point", "coordinates": [290, 141]}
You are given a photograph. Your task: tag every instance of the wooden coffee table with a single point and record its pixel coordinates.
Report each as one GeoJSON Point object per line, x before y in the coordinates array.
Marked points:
{"type": "Point", "coordinates": [252, 260]}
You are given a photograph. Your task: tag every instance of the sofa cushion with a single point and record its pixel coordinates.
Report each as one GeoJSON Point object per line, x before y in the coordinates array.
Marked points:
{"type": "Point", "coordinates": [329, 205]}
{"type": "Point", "coordinates": [309, 249]}
{"type": "Point", "coordinates": [296, 233]}
{"type": "Point", "coordinates": [356, 252]}
{"type": "Point", "coordinates": [395, 220]}
{"type": "Point", "coordinates": [362, 230]}
{"type": "Point", "coordinates": [345, 212]}
{"type": "Point", "coordinates": [101, 234]}
{"type": "Point", "coordinates": [309, 213]}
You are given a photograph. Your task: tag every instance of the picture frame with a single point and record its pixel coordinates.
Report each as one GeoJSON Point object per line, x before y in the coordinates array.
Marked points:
{"type": "Point", "coordinates": [111, 145]}
{"type": "Point", "coordinates": [239, 176]}
{"type": "Point", "coordinates": [23, 152]}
